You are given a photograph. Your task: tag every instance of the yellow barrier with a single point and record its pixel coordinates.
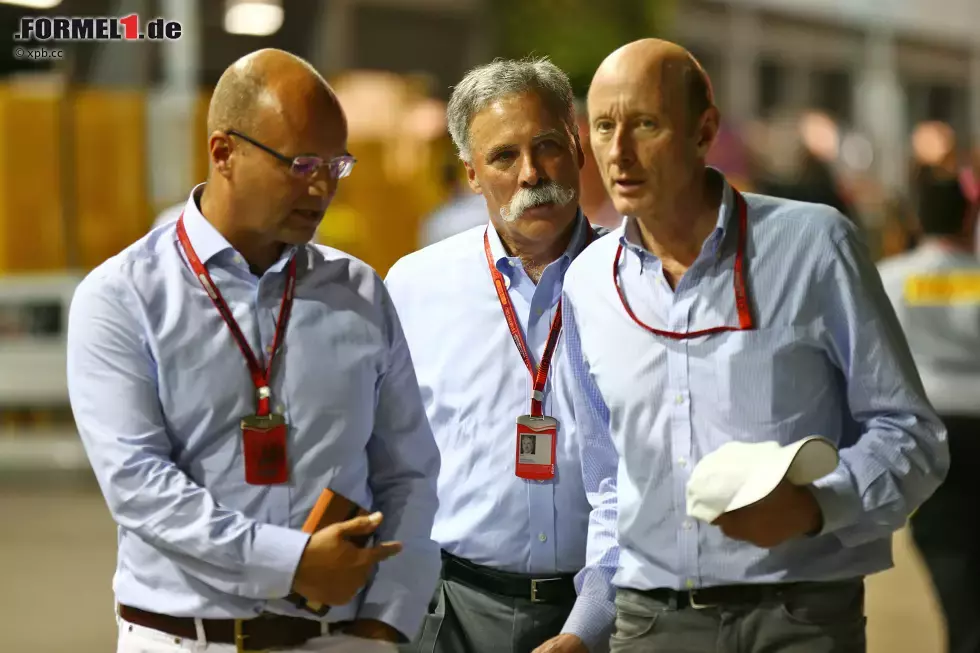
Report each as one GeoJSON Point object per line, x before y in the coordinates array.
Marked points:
{"type": "Point", "coordinates": [375, 216]}
{"type": "Point", "coordinates": [32, 235]}
{"type": "Point", "coordinates": [110, 150]}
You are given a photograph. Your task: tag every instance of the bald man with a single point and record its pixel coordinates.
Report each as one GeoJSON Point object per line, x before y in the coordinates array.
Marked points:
{"type": "Point", "coordinates": [713, 317]}
{"type": "Point", "coordinates": [223, 372]}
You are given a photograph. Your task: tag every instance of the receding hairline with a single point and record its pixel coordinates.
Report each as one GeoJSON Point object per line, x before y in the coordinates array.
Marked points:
{"type": "Point", "coordinates": [250, 82]}
{"type": "Point", "coordinates": [671, 66]}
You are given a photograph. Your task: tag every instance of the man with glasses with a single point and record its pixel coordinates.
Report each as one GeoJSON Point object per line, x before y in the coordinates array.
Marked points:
{"type": "Point", "coordinates": [713, 318]}
{"type": "Point", "coordinates": [223, 372]}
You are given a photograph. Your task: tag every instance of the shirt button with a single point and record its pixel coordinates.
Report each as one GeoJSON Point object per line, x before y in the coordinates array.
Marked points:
{"type": "Point", "coordinates": [682, 462]}
{"type": "Point", "coordinates": [689, 583]}
{"type": "Point", "coordinates": [679, 399]}
{"type": "Point", "coordinates": [688, 524]}
{"type": "Point", "coordinates": [237, 259]}
{"type": "Point", "coordinates": [268, 350]}
{"type": "Point", "coordinates": [280, 409]}
{"type": "Point", "coordinates": [540, 312]}
{"type": "Point", "coordinates": [512, 264]}
{"type": "Point", "coordinates": [542, 537]}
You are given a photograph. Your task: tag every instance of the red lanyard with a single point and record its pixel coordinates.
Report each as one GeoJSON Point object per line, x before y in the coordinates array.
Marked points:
{"type": "Point", "coordinates": [541, 374]}
{"type": "Point", "coordinates": [745, 322]}
{"type": "Point", "coordinates": [260, 377]}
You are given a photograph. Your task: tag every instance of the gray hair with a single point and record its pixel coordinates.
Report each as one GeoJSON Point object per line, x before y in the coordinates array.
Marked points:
{"type": "Point", "coordinates": [489, 82]}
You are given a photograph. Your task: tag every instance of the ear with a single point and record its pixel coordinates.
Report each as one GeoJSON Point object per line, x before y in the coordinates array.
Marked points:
{"type": "Point", "coordinates": [707, 131]}
{"type": "Point", "coordinates": [471, 178]}
{"type": "Point", "coordinates": [220, 147]}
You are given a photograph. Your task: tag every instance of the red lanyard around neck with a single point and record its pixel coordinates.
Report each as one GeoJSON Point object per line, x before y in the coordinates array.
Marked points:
{"type": "Point", "coordinates": [745, 322]}
{"type": "Point", "coordinates": [539, 373]}
{"type": "Point", "coordinates": [260, 376]}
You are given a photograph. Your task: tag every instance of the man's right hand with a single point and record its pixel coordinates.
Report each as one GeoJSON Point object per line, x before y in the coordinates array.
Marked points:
{"type": "Point", "coordinates": [332, 569]}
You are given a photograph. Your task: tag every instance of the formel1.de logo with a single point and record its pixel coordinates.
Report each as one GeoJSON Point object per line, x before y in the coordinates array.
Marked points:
{"type": "Point", "coordinates": [44, 29]}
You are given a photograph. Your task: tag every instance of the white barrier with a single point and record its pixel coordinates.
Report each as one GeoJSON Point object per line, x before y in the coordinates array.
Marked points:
{"type": "Point", "coordinates": [33, 320]}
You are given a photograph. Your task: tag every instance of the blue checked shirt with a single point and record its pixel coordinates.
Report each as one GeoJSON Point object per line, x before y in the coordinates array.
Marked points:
{"type": "Point", "coordinates": [827, 357]}
{"type": "Point", "coordinates": [158, 387]}
{"type": "Point", "coordinates": [475, 385]}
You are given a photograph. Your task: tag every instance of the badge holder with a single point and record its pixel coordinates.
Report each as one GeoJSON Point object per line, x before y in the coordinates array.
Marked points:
{"type": "Point", "coordinates": [264, 445]}
{"type": "Point", "coordinates": [536, 444]}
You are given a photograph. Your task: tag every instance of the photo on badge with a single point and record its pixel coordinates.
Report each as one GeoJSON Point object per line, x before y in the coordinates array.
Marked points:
{"type": "Point", "coordinates": [527, 444]}
{"type": "Point", "coordinates": [535, 449]}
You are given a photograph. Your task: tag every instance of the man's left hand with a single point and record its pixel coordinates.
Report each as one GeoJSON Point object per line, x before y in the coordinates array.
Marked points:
{"type": "Point", "coordinates": [564, 643]}
{"type": "Point", "coordinates": [372, 629]}
{"type": "Point", "coordinates": [787, 512]}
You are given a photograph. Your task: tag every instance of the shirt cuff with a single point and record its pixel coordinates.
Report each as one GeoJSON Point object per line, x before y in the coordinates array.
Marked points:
{"type": "Point", "coordinates": [272, 562]}
{"type": "Point", "coordinates": [395, 605]}
{"type": "Point", "coordinates": [839, 501]}
{"type": "Point", "coordinates": [592, 622]}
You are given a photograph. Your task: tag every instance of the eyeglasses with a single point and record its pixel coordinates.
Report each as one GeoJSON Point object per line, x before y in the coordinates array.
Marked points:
{"type": "Point", "coordinates": [306, 167]}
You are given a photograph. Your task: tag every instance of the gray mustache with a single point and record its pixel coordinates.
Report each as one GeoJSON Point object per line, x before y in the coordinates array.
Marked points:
{"type": "Point", "coordinates": [550, 192]}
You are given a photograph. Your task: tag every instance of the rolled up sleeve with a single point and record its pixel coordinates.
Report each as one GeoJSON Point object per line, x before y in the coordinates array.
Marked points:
{"type": "Point", "coordinates": [901, 455]}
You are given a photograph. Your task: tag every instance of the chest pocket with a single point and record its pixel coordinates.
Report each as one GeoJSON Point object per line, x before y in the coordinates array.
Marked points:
{"type": "Point", "coordinates": [767, 378]}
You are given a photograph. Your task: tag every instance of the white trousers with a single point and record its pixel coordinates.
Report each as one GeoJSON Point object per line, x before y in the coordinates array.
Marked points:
{"type": "Point", "coordinates": [138, 639]}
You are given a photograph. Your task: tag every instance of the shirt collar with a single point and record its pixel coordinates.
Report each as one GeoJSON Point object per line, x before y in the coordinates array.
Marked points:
{"type": "Point", "coordinates": [575, 245]}
{"type": "Point", "coordinates": [631, 232]}
{"type": "Point", "coordinates": [208, 241]}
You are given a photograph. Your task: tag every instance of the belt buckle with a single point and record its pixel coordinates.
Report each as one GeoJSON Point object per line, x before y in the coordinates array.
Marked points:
{"type": "Point", "coordinates": [534, 588]}
{"type": "Point", "coordinates": [240, 638]}
{"type": "Point", "coordinates": [534, 591]}
{"type": "Point", "coordinates": [694, 603]}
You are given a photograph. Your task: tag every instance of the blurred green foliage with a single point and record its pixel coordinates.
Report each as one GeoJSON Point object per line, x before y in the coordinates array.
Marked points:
{"type": "Point", "coordinates": [575, 34]}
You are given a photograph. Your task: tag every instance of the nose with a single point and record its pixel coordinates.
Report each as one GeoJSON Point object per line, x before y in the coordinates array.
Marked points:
{"type": "Point", "coordinates": [321, 184]}
{"type": "Point", "coordinates": [530, 175]}
{"type": "Point", "coordinates": [621, 150]}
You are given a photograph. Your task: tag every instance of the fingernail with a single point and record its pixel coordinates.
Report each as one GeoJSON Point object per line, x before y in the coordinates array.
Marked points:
{"type": "Point", "coordinates": [375, 516]}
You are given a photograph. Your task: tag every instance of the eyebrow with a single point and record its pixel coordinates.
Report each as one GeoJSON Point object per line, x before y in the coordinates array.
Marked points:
{"type": "Point", "coordinates": [550, 133]}
{"type": "Point", "coordinates": [325, 158]}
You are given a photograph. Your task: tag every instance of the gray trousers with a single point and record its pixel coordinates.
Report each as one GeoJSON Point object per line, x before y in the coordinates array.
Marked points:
{"type": "Point", "coordinates": [463, 619]}
{"type": "Point", "coordinates": [809, 618]}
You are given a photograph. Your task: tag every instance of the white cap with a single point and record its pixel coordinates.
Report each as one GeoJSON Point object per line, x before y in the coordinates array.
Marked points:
{"type": "Point", "coordinates": [738, 474]}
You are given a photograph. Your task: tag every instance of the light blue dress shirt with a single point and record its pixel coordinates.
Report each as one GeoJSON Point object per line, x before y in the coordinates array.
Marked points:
{"type": "Point", "coordinates": [475, 385]}
{"type": "Point", "coordinates": [827, 357]}
{"type": "Point", "coordinates": [158, 387]}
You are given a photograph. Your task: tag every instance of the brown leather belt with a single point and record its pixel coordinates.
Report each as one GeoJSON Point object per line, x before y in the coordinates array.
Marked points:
{"type": "Point", "coordinates": [263, 632]}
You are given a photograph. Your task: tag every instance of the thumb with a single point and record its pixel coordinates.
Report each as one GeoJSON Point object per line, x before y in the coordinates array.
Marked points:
{"type": "Point", "coordinates": [359, 525]}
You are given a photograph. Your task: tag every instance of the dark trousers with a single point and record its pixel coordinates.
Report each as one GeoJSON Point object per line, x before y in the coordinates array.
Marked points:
{"type": "Point", "coordinates": [946, 530]}
{"type": "Point", "coordinates": [802, 618]}
{"type": "Point", "coordinates": [465, 618]}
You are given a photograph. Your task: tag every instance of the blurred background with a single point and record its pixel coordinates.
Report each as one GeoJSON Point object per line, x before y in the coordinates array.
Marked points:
{"type": "Point", "coordinates": [837, 102]}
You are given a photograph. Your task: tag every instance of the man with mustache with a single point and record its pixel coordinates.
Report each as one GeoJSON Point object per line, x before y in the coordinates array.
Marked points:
{"type": "Point", "coordinates": [479, 311]}
{"type": "Point", "coordinates": [711, 322]}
